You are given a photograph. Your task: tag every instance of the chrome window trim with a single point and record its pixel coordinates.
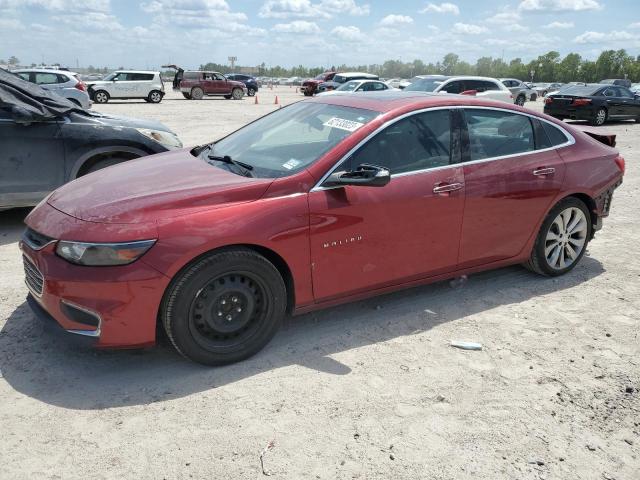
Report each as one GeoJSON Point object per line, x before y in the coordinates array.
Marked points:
{"type": "Point", "coordinates": [86, 333]}
{"type": "Point", "coordinates": [570, 141]}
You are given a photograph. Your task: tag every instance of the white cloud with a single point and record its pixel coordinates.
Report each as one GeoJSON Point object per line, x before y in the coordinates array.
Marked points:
{"type": "Point", "coordinates": [559, 25]}
{"type": "Point", "coordinates": [394, 20]}
{"type": "Point", "coordinates": [348, 34]}
{"type": "Point", "coordinates": [598, 37]}
{"type": "Point", "coordinates": [544, 6]}
{"type": "Point", "coordinates": [297, 26]}
{"type": "Point", "coordinates": [58, 5]}
{"type": "Point", "coordinates": [634, 25]}
{"type": "Point", "coordinates": [92, 21]}
{"type": "Point", "coordinates": [10, 24]}
{"type": "Point", "coordinates": [469, 29]}
{"type": "Point", "coordinates": [306, 9]}
{"type": "Point", "coordinates": [504, 18]}
{"type": "Point", "coordinates": [515, 27]}
{"type": "Point", "coordinates": [441, 8]}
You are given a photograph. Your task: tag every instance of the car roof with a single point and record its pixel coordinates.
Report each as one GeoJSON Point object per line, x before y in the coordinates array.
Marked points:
{"type": "Point", "coordinates": [390, 100]}
{"type": "Point", "coordinates": [136, 71]}
{"type": "Point", "coordinates": [44, 70]}
{"type": "Point", "coordinates": [348, 74]}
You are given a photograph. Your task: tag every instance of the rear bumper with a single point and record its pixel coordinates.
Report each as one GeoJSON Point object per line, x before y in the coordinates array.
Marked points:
{"type": "Point", "coordinates": [573, 113]}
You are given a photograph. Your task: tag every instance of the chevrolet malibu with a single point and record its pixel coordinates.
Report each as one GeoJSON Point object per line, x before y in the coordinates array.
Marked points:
{"type": "Point", "coordinates": [322, 202]}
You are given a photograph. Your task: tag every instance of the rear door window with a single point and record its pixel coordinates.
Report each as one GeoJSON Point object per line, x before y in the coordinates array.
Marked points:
{"type": "Point", "coordinates": [496, 133]}
{"type": "Point", "coordinates": [457, 86]}
{"type": "Point", "coordinates": [46, 78]}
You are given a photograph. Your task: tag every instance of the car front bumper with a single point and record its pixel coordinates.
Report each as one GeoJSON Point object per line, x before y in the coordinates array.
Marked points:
{"type": "Point", "coordinates": [116, 307]}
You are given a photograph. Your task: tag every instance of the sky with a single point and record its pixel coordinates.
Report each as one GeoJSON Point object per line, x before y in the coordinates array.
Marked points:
{"type": "Point", "coordinates": [147, 34]}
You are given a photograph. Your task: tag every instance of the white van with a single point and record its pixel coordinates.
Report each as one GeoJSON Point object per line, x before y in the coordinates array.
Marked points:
{"type": "Point", "coordinates": [125, 84]}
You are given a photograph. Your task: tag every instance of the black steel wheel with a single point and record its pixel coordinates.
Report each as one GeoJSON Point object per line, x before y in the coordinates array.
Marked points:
{"type": "Point", "coordinates": [224, 307]}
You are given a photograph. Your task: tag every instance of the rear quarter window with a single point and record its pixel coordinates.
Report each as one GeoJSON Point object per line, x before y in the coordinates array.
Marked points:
{"type": "Point", "coordinates": [555, 135]}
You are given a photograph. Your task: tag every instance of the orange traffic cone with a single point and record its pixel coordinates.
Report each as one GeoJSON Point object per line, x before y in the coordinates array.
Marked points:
{"type": "Point", "coordinates": [255, 102]}
{"type": "Point", "coordinates": [276, 102]}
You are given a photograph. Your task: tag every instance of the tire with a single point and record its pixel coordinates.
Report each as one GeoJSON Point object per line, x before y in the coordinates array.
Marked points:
{"type": "Point", "coordinates": [228, 97]}
{"type": "Point", "coordinates": [155, 96]}
{"type": "Point", "coordinates": [544, 94]}
{"type": "Point", "coordinates": [599, 118]}
{"type": "Point", "coordinates": [544, 260]}
{"type": "Point", "coordinates": [251, 92]}
{"type": "Point", "coordinates": [107, 162]}
{"type": "Point", "coordinates": [101, 96]}
{"type": "Point", "coordinates": [308, 94]}
{"type": "Point", "coordinates": [197, 93]}
{"type": "Point", "coordinates": [520, 100]}
{"type": "Point", "coordinates": [198, 310]}
{"type": "Point", "coordinates": [186, 95]}
{"type": "Point", "coordinates": [237, 94]}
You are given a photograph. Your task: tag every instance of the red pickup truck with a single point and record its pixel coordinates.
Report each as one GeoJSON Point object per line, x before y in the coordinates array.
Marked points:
{"type": "Point", "coordinates": [310, 86]}
{"type": "Point", "coordinates": [196, 84]}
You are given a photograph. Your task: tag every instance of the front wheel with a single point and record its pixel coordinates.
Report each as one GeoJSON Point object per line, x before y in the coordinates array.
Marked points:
{"type": "Point", "coordinates": [251, 92]}
{"type": "Point", "coordinates": [224, 307]}
{"type": "Point", "coordinates": [237, 94]}
{"type": "Point", "coordinates": [562, 240]}
{"type": "Point", "coordinates": [520, 100]}
{"type": "Point", "coordinates": [101, 96]}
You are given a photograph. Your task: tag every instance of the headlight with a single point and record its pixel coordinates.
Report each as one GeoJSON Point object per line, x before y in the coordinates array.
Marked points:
{"type": "Point", "coordinates": [102, 254]}
{"type": "Point", "coordinates": [167, 139]}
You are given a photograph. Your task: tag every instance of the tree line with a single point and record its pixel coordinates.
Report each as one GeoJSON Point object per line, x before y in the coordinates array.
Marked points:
{"type": "Point", "coordinates": [550, 67]}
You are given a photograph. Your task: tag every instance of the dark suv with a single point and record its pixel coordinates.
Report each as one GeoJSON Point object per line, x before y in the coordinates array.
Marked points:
{"type": "Point", "coordinates": [46, 141]}
{"type": "Point", "coordinates": [248, 80]}
{"type": "Point", "coordinates": [196, 84]}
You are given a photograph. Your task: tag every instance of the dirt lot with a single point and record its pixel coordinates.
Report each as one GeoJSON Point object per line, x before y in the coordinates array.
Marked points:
{"type": "Point", "coordinates": [367, 390]}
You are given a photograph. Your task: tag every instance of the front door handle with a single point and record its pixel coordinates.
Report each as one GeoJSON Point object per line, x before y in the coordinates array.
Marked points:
{"type": "Point", "coordinates": [544, 171]}
{"type": "Point", "coordinates": [447, 187]}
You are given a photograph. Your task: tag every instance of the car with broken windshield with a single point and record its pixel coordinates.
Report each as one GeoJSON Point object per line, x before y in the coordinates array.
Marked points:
{"type": "Point", "coordinates": [322, 202]}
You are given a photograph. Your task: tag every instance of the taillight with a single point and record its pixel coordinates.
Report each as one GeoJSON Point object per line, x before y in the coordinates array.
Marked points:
{"type": "Point", "coordinates": [81, 86]}
{"type": "Point", "coordinates": [620, 163]}
{"type": "Point", "coordinates": [581, 101]}
{"type": "Point", "coordinates": [548, 100]}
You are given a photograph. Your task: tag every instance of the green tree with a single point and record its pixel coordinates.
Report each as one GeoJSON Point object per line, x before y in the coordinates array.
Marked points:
{"type": "Point", "coordinates": [13, 60]}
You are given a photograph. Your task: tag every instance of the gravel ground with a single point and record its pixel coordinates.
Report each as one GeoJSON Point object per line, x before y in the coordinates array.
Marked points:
{"type": "Point", "coordinates": [369, 390]}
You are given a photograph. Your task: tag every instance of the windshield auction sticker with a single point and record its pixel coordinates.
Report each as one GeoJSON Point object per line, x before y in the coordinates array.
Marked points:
{"type": "Point", "coordinates": [342, 124]}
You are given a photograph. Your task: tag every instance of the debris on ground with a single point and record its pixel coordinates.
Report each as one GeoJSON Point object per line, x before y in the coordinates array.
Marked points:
{"type": "Point", "coordinates": [269, 446]}
{"type": "Point", "coordinates": [466, 345]}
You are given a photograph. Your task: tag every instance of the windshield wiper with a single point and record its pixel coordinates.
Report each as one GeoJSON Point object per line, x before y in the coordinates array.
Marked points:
{"type": "Point", "coordinates": [227, 159]}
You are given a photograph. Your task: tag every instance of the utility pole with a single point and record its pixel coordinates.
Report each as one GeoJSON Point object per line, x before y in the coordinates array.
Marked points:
{"type": "Point", "coordinates": [233, 60]}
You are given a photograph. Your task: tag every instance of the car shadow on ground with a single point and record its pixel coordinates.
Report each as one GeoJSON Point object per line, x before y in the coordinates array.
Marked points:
{"type": "Point", "coordinates": [54, 370]}
{"type": "Point", "coordinates": [12, 224]}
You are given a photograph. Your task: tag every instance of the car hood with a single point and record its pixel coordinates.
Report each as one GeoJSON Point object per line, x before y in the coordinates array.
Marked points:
{"type": "Point", "coordinates": [118, 121]}
{"type": "Point", "coordinates": [155, 187]}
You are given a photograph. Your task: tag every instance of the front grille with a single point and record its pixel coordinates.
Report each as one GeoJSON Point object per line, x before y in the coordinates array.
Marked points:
{"type": "Point", "coordinates": [35, 240]}
{"type": "Point", "coordinates": [32, 276]}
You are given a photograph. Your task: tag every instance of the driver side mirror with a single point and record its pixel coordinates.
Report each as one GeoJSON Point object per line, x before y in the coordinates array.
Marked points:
{"type": "Point", "coordinates": [365, 175]}
{"type": "Point", "coordinates": [114, 80]}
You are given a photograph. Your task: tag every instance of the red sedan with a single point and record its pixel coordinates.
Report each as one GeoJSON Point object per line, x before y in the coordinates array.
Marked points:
{"type": "Point", "coordinates": [322, 202]}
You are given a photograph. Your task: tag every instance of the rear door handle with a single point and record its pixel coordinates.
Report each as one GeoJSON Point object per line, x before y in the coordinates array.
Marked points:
{"type": "Point", "coordinates": [544, 171]}
{"type": "Point", "coordinates": [447, 187]}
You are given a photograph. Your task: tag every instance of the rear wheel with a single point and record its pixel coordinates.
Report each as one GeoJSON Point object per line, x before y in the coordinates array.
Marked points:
{"type": "Point", "coordinates": [237, 94]}
{"type": "Point", "coordinates": [186, 95]}
{"type": "Point", "coordinates": [224, 307]}
{"type": "Point", "coordinates": [197, 93]}
{"type": "Point", "coordinates": [563, 238]}
{"type": "Point", "coordinates": [520, 100]}
{"type": "Point", "coordinates": [101, 96]}
{"type": "Point", "coordinates": [251, 92]}
{"type": "Point", "coordinates": [155, 96]}
{"type": "Point", "coordinates": [599, 117]}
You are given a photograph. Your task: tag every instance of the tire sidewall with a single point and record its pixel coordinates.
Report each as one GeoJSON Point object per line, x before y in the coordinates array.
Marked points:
{"type": "Point", "coordinates": [235, 95]}
{"type": "Point", "coordinates": [106, 96]}
{"type": "Point", "coordinates": [197, 93]}
{"type": "Point", "coordinates": [595, 118]}
{"type": "Point", "coordinates": [542, 235]}
{"type": "Point", "coordinates": [151, 95]}
{"type": "Point", "coordinates": [179, 297]}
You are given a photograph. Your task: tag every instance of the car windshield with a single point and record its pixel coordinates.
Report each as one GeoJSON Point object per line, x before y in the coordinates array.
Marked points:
{"type": "Point", "coordinates": [111, 76]}
{"type": "Point", "coordinates": [289, 139]}
{"type": "Point", "coordinates": [319, 77]}
{"type": "Point", "coordinates": [339, 79]}
{"type": "Point", "coordinates": [424, 85]}
{"type": "Point", "coordinates": [584, 90]}
{"type": "Point", "coordinates": [348, 87]}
